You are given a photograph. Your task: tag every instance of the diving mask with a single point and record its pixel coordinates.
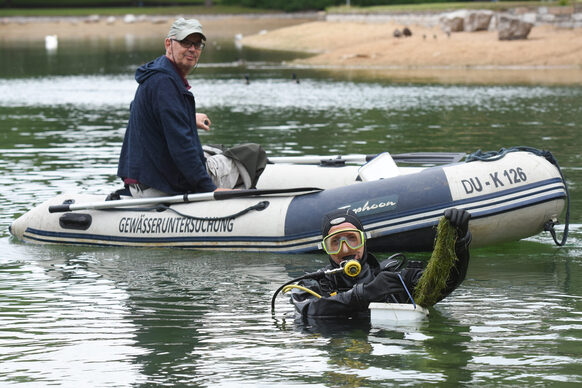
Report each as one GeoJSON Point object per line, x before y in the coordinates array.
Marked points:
{"type": "Point", "coordinates": [353, 238]}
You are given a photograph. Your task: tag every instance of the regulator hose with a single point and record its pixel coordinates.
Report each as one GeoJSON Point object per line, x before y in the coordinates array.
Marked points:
{"type": "Point", "coordinates": [496, 155]}
{"type": "Point", "coordinates": [350, 267]}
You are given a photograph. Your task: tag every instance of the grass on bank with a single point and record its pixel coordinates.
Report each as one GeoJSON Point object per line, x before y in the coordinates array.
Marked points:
{"type": "Point", "coordinates": [441, 7]}
{"type": "Point", "coordinates": [218, 9]}
{"type": "Point", "coordinates": [116, 11]}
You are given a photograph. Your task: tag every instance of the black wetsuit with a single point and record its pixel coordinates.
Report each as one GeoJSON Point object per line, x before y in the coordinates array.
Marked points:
{"type": "Point", "coordinates": [344, 296]}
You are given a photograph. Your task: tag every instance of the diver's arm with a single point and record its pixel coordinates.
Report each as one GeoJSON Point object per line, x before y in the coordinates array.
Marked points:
{"type": "Point", "coordinates": [342, 304]}
{"type": "Point", "coordinates": [350, 302]}
{"type": "Point", "coordinates": [459, 270]}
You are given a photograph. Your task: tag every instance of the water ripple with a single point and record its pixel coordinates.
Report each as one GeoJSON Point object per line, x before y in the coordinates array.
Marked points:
{"type": "Point", "coordinates": [316, 95]}
{"type": "Point", "coordinates": [78, 321]}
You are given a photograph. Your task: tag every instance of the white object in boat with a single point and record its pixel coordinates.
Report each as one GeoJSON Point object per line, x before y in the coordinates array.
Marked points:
{"type": "Point", "coordinates": [381, 167]}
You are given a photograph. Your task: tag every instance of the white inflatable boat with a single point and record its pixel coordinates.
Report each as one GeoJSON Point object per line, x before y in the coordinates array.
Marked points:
{"type": "Point", "coordinates": [511, 195]}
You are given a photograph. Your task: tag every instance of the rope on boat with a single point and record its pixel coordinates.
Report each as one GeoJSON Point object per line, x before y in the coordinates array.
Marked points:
{"type": "Point", "coordinates": [258, 207]}
{"type": "Point", "coordinates": [490, 156]}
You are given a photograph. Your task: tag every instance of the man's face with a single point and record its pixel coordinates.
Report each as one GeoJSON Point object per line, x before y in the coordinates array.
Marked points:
{"type": "Point", "coordinates": [345, 249]}
{"type": "Point", "coordinates": [184, 53]}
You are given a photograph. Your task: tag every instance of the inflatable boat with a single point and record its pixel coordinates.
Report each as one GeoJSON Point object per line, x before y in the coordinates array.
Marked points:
{"type": "Point", "coordinates": [512, 194]}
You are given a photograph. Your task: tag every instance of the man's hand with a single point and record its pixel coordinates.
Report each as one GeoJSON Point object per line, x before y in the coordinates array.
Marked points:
{"type": "Point", "coordinates": [202, 121]}
{"type": "Point", "coordinates": [459, 218]}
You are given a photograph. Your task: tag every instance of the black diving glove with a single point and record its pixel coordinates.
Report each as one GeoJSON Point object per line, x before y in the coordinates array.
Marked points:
{"type": "Point", "coordinates": [381, 287]}
{"type": "Point", "coordinates": [459, 218]}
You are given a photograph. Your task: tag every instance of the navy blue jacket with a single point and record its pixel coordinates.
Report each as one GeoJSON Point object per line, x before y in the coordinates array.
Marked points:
{"type": "Point", "coordinates": [161, 147]}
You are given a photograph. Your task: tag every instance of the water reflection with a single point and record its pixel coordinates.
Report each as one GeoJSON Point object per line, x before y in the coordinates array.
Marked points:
{"type": "Point", "coordinates": [51, 43]}
{"type": "Point", "coordinates": [523, 293]}
{"type": "Point", "coordinates": [204, 319]}
{"type": "Point", "coordinates": [62, 313]}
{"type": "Point", "coordinates": [365, 116]}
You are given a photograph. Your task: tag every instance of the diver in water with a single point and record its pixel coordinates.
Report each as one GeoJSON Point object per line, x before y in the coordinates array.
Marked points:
{"type": "Point", "coordinates": [393, 281]}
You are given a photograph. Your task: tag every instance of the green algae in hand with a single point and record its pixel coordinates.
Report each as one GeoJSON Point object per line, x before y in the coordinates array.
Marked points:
{"type": "Point", "coordinates": [433, 281]}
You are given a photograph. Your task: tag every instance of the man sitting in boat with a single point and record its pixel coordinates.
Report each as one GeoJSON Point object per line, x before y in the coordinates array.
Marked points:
{"type": "Point", "coordinates": [345, 296]}
{"type": "Point", "coordinates": [161, 153]}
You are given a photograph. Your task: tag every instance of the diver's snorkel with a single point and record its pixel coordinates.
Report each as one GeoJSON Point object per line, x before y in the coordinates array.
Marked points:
{"type": "Point", "coordinates": [350, 267]}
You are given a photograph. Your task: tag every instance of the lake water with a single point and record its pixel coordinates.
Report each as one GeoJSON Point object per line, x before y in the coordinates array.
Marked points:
{"type": "Point", "coordinates": [120, 317]}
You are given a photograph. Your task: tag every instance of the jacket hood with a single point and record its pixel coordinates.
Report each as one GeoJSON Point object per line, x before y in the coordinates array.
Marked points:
{"type": "Point", "coordinates": [160, 64]}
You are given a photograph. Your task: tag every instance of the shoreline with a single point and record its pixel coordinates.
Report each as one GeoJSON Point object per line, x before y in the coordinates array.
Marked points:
{"type": "Point", "coordinates": [550, 55]}
{"type": "Point", "coordinates": [74, 27]}
{"type": "Point", "coordinates": [469, 76]}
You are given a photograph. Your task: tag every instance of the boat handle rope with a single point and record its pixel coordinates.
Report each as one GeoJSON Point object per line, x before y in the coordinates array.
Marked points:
{"type": "Point", "coordinates": [496, 155]}
{"type": "Point", "coordinates": [258, 207]}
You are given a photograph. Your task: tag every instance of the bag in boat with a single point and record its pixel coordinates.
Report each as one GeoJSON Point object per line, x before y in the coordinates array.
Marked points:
{"type": "Point", "coordinates": [236, 167]}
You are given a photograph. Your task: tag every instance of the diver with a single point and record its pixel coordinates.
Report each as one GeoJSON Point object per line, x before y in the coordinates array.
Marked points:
{"type": "Point", "coordinates": [337, 293]}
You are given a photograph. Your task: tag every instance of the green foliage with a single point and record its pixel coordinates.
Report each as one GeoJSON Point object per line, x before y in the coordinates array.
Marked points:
{"type": "Point", "coordinates": [95, 3]}
{"type": "Point", "coordinates": [433, 281]}
{"type": "Point", "coordinates": [105, 9]}
{"type": "Point", "coordinates": [283, 5]}
{"type": "Point", "coordinates": [286, 5]}
{"type": "Point", "coordinates": [441, 5]}
{"type": "Point", "coordinates": [303, 5]}
{"type": "Point", "coordinates": [368, 3]}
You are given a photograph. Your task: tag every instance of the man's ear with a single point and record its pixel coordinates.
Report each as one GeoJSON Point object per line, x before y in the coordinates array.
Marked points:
{"type": "Point", "coordinates": [167, 44]}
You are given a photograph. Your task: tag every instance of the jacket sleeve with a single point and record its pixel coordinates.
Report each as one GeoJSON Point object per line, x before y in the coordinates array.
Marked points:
{"type": "Point", "coordinates": [178, 121]}
{"type": "Point", "coordinates": [342, 304]}
{"type": "Point", "coordinates": [459, 270]}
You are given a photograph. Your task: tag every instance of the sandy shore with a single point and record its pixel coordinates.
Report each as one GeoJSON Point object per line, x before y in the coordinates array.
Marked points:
{"type": "Point", "coordinates": [549, 55]}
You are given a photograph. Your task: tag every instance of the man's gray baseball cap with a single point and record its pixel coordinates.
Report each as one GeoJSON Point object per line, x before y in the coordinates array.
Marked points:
{"type": "Point", "coordinates": [181, 28]}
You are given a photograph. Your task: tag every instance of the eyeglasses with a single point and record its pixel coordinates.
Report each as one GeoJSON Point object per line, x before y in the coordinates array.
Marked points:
{"type": "Point", "coordinates": [353, 238]}
{"type": "Point", "coordinates": [188, 43]}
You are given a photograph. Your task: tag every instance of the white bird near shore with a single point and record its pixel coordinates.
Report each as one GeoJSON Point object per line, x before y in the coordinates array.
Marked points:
{"type": "Point", "coordinates": [238, 41]}
{"type": "Point", "coordinates": [51, 42]}
{"type": "Point", "coordinates": [129, 18]}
